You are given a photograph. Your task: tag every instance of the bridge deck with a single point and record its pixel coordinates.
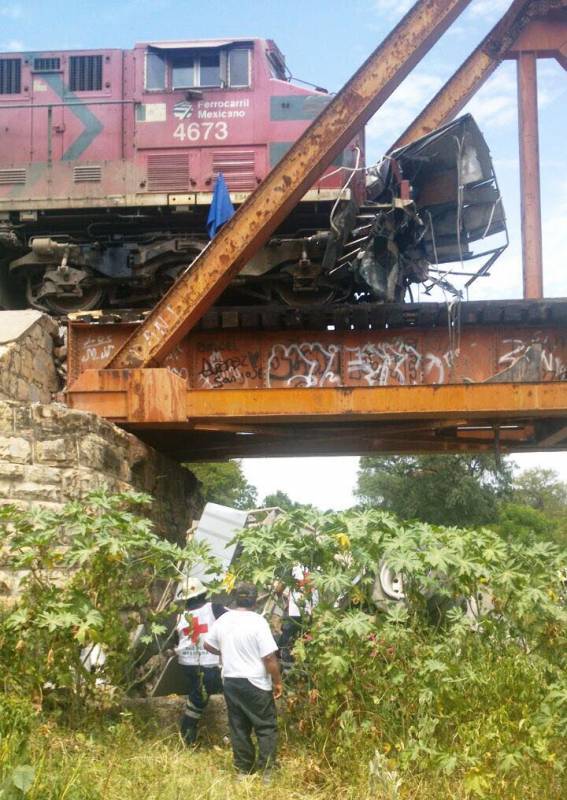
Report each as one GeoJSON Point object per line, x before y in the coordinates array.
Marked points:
{"type": "Point", "coordinates": [496, 379]}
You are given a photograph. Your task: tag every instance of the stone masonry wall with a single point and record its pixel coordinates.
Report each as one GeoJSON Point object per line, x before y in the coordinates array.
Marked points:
{"type": "Point", "coordinates": [27, 368]}
{"type": "Point", "coordinates": [50, 454]}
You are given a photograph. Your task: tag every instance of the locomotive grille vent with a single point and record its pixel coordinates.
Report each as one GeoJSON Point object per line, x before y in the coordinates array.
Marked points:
{"type": "Point", "coordinates": [238, 168]}
{"type": "Point", "coordinates": [10, 75]}
{"type": "Point", "coordinates": [168, 172]}
{"type": "Point", "coordinates": [46, 64]}
{"type": "Point", "coordinates": [85, 73]}
{"type": "Point", "coordinates": [11, 177]}
{"type": "Point", "coordinates": [87, 173]}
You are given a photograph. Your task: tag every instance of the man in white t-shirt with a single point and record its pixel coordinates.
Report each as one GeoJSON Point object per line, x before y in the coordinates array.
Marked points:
{"type": "Point", "coordinates": [251, 679]}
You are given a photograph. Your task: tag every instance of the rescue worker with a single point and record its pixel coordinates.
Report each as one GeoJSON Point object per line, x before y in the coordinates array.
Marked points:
{"type": "Point", "coordinates": [299, 604]}
{"type": "Point", "coordinates": [201, 668]}
{"type": "Point", "coordinates": [252, 680]}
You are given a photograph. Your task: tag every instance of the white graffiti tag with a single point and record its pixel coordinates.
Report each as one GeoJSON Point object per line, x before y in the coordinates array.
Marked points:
{"type": "Point", "coordinates": [97, 348]}
{"type": "Point", "coordinates": [550, 365]}
{"type": "Point", "coordinates": [393, 362]}
{"type": "Point", "coordinates": [307, 364]}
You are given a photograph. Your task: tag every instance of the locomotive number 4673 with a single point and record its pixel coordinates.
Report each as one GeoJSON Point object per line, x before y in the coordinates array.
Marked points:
{"type": "Point", "coordinates": [195, 131]}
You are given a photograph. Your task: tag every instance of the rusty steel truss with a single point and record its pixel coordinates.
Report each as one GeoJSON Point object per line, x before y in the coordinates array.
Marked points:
{"type": "Point", "coordinates": [202, 384]}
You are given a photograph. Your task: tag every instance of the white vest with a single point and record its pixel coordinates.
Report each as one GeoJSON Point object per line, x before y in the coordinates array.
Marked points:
{"type": "Point", "coordinates": [191, 629]}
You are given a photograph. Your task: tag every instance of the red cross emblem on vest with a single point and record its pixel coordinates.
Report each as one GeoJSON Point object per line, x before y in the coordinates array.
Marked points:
{"type": "Point", "coordinates": [194, 629]}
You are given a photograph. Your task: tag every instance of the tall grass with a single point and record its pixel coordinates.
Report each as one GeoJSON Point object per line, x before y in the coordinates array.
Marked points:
{"type": "Point", "coordinates": [130, 759]}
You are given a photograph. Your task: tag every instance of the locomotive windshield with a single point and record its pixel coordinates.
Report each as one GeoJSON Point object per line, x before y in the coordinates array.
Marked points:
{"type": "Point", "coordinates": [189, 68]}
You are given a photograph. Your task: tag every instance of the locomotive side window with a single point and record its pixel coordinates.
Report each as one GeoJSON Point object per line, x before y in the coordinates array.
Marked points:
{"type": "Point", "coordinates": [46, 64]}
{"type": "Point", "coordinates": [10, 75]}
{"type": "Point", "coordinates": [197, 68]}
{"type": "Point", "coordinates": [276, 65]}
{"type": "Point", "coordinates": [239, 67]}
{"type": "Point", "coordinates": [85, 73]}
{"type": "Point", "coordinates": [156, 72]}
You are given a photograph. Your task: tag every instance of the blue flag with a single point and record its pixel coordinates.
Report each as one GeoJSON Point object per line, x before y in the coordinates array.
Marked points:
{"type": "Point", "coordinates": [221, 207]}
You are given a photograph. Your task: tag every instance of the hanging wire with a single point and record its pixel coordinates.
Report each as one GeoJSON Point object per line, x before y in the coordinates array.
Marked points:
{"type": "Point", "coordinates": [345, 186]}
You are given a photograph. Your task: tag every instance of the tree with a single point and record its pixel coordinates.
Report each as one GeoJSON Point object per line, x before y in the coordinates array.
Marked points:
{"type": "Point", "coordinates": [224, 483]}
{"type": "Point", "coordinates": [539, 499]}
{"type": "Point", "coordinates": [520, 523]}
{"type": "Point", "coordinates": [440, 489]}
{"type": "Point", "coordinates": [282, 500]}
{"type": "Point", "coordinates": [541, 489]}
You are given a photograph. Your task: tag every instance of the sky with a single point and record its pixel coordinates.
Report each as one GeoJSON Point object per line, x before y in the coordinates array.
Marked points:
{"type": "Point", "coordinates": [324, 42]}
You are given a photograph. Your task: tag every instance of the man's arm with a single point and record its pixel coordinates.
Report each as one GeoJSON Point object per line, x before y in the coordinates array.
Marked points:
{"type": "Point", "coordinates": [210, 649]}
{"type": "Point", "coordinates": [273, 669]}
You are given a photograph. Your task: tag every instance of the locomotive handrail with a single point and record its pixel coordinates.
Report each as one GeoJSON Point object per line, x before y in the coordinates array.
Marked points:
{"type": "Point", "coordinates": [200, 285]}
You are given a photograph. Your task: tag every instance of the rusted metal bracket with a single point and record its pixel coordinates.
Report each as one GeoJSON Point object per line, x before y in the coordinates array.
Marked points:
{"type": "Point", "coordinates": [200, 285]}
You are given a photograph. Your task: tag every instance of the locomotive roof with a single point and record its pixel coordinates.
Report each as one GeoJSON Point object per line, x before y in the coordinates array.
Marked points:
{"type": "Point", "coordinates": [197, 43]}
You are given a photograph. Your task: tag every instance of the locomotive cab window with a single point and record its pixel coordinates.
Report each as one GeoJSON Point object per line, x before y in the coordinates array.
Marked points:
{"type": "Point", "coordinates": [239, 67]}
{"type": "Point", "coordinates": [156, 71]}
{"type": "Point", "coordinates": [227, 67]}
{"type": "Point", "coordinates": [202, 70]}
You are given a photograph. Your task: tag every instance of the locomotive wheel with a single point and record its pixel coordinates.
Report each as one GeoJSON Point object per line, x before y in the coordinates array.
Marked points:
{"type": "Point", "coordinates": [61, 306]}
{"type": "Point", "coordinates": [91, 298]}
{"type": "Point", "coordinates": [297, 299]}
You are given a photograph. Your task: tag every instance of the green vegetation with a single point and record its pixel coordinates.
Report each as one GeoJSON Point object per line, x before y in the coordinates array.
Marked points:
{"type": "Point", "coordinates": [113, 759]}
{"type": "Point", "coordinates": [442, 490]}
{"type": "Point", "coordinates": [89, 569]}
{"type": "Point", "coordinates": [435, 689]}
{"type": "Point", "coordinates": [224, 483]}
{"type": "Point", "coordinates": [459, 691]}
{"type": "Point", "coordinates": [282, 500]}
{"type": "Point", "coordinates": [467, 491]}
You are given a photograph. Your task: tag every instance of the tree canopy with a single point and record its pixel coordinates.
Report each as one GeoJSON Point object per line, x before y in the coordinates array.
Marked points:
{"type": "Point", "coordinates": [439, 489]}
{"type": "Point", "coordinates": [224, 483]}
{"type": "Point", "coordinates": [282, 500]}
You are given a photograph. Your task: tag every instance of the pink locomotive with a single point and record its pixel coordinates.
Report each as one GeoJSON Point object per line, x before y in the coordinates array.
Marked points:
{"type": "Point", "coordinates": [108, 161]}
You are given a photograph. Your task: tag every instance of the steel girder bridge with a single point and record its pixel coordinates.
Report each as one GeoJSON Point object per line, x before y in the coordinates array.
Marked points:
{"type": "Point", "coordinates": [201, 383]}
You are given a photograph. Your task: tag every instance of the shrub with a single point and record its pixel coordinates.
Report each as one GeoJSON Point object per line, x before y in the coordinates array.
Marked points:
{"type": "Point", "coordinates": [432, 686]}
{"type": "Point", "coordinates": [89, 569]}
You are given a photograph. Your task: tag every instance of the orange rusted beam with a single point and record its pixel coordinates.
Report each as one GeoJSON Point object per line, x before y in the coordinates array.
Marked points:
{"type": "Point", "coordinates": [224, 360]}
{"type": "Point", "coordinates": [117, 395]}
{"type": "Point", "coordinates": [530, 193]}
{"type": "Point", "coordinates": [200, 285]}
{"type": "Point", "coordinates": [518, 30]}
{"type": "Point", "coordinates": [546, 37]}
{"type": "Point", "coordinates": [470, 76]}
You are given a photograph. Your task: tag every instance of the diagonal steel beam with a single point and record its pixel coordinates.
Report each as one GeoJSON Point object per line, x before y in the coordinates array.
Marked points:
{"type": "Point", "coordinates": [200, 285]}
{"type": "Point", "coordinates": [477, 68]}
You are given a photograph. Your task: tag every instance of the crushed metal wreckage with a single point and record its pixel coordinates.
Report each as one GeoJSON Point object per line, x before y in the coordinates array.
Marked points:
{"type": "Point", "coordinates": [429, 204]}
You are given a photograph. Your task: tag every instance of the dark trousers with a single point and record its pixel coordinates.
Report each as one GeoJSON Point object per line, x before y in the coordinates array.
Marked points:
{"type": "Point", "coordinates": [201, 682]}
{"type": "Point", "coordinates": [291, 628]}
{"type": "Point", "coordinates": [251, 709]}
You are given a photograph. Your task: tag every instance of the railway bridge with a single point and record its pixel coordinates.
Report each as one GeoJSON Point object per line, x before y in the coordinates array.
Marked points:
{"type": "Point", "coordinates": [198, 382]}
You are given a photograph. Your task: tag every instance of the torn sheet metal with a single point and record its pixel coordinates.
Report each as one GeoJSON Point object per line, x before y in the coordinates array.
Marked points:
{"type": "Point", "coordinates": [456, 204]}
{"type": "Point", "coordinates": [217, 527]}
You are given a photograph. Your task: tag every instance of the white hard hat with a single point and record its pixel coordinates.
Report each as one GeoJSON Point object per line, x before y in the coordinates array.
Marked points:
{"type": "Point", "coordinates": [189, 588]}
